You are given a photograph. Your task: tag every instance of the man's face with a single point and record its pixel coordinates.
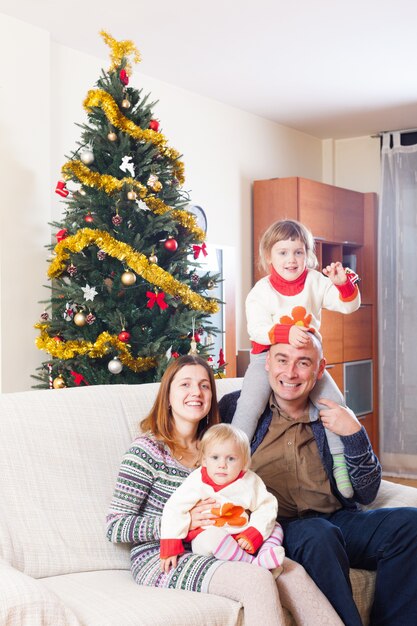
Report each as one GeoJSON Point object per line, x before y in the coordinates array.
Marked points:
{"type": "Point", "coordinates": [293, 372]}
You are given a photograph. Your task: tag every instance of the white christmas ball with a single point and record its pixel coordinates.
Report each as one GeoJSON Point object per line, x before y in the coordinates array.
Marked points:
{"type": "Point", "coordinates": [115, 366]}
{"type": "Point", "coordinates": [87, 157]}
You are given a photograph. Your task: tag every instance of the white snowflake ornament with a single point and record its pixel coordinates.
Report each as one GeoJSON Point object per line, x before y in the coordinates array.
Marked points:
{"type": "Point", "coordinates": [89, 292]}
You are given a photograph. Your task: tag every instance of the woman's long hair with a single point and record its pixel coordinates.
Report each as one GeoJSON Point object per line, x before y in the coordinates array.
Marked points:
{"type": "Point", "coordinates": [159, 421]}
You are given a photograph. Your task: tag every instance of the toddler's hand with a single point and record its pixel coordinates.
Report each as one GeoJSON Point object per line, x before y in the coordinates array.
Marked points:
{"type": "Point", "coordinates": [336, 273]}
{"type": "Point", "coordinates": [166, 564]}
{"type": "Point", "coordinates": [244, 544]}
{"type": "Point", "coordinates": [299, 337]}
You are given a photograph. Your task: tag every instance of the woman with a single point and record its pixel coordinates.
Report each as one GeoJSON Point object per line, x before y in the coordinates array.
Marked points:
{"type": "Point", "coordinates": [154, 466]}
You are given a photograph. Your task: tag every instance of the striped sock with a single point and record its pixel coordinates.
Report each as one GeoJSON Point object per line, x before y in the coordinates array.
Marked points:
{"type": "Point", "coordinates": [271, 553]}
{"type": "Point", "coordinates": [341, 475]}
{"type": "Point", "coordinates": [229, 550]}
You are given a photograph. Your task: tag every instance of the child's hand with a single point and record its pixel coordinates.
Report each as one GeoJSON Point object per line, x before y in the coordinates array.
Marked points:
{"type": "Point", "coordinates": [299, 337]}
{"type": "Point", "coordinates": [244, 544]}
{"type": "Point", "coordinates": [166, 564]}
{"type": "Point", "coordinates": [338, 419]}
{"type": "Point", "coordinates": [336, 273]}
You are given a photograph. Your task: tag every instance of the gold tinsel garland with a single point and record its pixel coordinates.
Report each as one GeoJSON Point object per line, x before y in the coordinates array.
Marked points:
{"type": "Point", "coordinates": [109, 184]}
{"type": "Point", "coordinates": [103, 100]}
{"type": "Point", "coordinates": [135, 260]}
{"type": "Point", "coordinates": [120, 49]}
{"type": "Point", "coordinates": [69, 349]}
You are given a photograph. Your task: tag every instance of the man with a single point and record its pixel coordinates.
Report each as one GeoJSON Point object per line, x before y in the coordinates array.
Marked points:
{"type": "Point", "coordinates": [323, 531]}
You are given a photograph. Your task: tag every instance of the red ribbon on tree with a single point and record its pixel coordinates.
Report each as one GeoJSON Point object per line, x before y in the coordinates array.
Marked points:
{"type": "Point", "coordinates": [61, 234]}
{"type": "Point", "coordinates": [156, 298]}
{"type": "Point", "coordinates": [198, 249]}
{"type": "Point", "coordinates": [124, 78]}
{"type": "Point", "coordinates": [79, 378]}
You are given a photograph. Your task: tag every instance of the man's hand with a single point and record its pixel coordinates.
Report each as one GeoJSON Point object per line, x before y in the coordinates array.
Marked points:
{"type": "Point", "coordinates": [336, 273]}
{"type": "Point", "coordinates": [201, 514]}
{"type": "Point", "coordinates": [338, 419]}
{"type": "Point", "coordinates": [166, 564]}
{"type": "Point", "coordinates": [299, 337]}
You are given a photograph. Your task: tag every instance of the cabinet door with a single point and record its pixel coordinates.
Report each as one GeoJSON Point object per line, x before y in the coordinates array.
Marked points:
{"type": "Point", "coordinates": [336, 372]}
{"type": "Point", "coordinates": [316, 208]}
{"type": "Point", "coordinates": [348, 216]}
{"type": "Point", "coordinates": [332, 332]}
{"type": "Point", "coordinates": [357, 335]}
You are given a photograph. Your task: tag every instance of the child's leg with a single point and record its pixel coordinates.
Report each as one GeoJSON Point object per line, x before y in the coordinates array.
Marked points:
{"type": "Point", "coordinates": [254, 395]}
{"type": "Point", "coordinates": [327, 388]}
{"type": "Point", "coordinates": [271, 551]}
{"type": "Point", "coordinates": [219, 543]}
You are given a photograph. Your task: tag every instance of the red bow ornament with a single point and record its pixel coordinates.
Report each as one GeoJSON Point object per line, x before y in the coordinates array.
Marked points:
{"type": "Point", "coordinates": [156, 298]}
{"type": "Point", "coordinates": [198, 249]}
{"type": "Point", "coordinates": [61, 189]}
{"type": "Point", "coordinates": [61, 234]}
{"type": "Point", "coordinates": [79, 378]}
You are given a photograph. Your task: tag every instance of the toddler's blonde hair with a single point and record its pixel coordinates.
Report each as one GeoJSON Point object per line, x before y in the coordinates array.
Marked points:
{"type": "Point", "coordinates": [224, 432]}
{"type": "Point", "coordinates": [281, 231]}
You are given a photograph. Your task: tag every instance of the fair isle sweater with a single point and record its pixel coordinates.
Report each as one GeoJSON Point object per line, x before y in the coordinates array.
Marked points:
{"type": "Point", "coordinates": [274, 305]}
{"type": "Point", "coordinates": [148, 476]}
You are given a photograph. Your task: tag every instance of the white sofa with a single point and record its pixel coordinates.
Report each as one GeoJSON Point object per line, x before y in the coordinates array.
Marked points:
{"type": "Point", "coordinates": [59, 456]}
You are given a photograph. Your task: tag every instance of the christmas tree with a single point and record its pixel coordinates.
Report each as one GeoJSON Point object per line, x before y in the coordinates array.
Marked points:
{"type": "Point", "coordinates": [127, 289]}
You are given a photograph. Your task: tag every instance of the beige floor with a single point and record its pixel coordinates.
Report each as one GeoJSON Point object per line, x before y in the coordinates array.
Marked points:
{"type": "Point", "coordinates": [402, 481]}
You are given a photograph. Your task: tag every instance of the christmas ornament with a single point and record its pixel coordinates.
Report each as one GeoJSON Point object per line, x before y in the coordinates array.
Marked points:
{"type": "Point", "coordinates": [195, 278]}
{"type": "Point", "coordinates": [156, 298]}
{"type": "Point", "coordinates": [124, 336]}
{"type": "Point", "coordinates": [124, 78]}
{"type": "Point", "coordinates": [117, 219]}
{"type": "Point", "coordinates": [90, 319]}
{"type": "Point", "coordinates": [112, 136]}
{"type": "Point", "coordinates": [82, 192]}
{"type": "Point", "coordinates": [221, 360]}
{"type": "Point", "coordinates": [79, 319]}
{"type": "Point", "coordinates": [198, 249]}
{"type": "Point", "coordinates": [128, 278]}
{"type": "Point", "coordinates": [154, 183]}
{"type": "Point", "coordinates": [78, 378]}
{"type": "Point", "coordinates": [58, 382]}
{"type": "Point", "coordinates": [131, 195]}
{"type": "Point", "coordinates": [101, 255]}
{"type": "Point", "coordinates": [61, 189]}
{"type": "Point", "coordinates": [57, 338]}
{"type": "Point", "coordinates": [153, 258]}
{"type": "Point", "coordinates": [87, 156]}
{"type": "Point", "coordinates": [115, 366]}
{"type": "Point", "coordinates": [68, 312]}
{"type": "Point", "coordinates": [175, 355]}
{"type": "Point", "coordinates": [171, 244]}
{"type": "Point", "coordinates": [61, 234]}
{"type": "Point", "coordinates": [72, 270]}
{"type": "Point", "coordinates": [211, 284]}
{"type": "Point", "coordinates": [193, 348]}
{"type": "Point", "coordinates": [45, 316]}
{"type": "Point", "coordinates": [125, 104]}
{"type": "Point", "coordinates": [89, 218]}
{"type": "Point", "coordinates": [89, 292]}
{"type": "Point", "coordinates": [127, 166]}
{"type": "Point", "coordinates": [154, 125]}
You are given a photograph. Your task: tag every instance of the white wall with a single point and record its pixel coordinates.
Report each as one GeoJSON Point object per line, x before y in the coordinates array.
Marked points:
{"type": "Point", "coordinates": [353, 163]}
{"type": "Point", "coordinates": [25, 195]}
{"type": "Point", "coordinates": [224, 150]}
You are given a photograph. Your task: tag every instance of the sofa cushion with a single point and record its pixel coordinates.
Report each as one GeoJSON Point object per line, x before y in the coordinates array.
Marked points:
{"type": "Point", "coordinates": [112, 598]}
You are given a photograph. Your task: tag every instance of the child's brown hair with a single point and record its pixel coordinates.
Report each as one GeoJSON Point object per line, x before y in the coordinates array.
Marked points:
{"type": "Point", "coordinates": [281, 231]}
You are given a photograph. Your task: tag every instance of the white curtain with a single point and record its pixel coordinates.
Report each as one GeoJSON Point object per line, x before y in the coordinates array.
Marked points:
{"type": "Point", "coordinates": [398, 308]}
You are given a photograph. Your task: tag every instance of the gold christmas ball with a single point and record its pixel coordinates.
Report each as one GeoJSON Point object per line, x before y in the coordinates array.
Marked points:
{"type": "Point", "coordinates": [128, 278]}
{"type": "Point", "coordinates": [125, 104]}
{"type": "Point", "coordinates": [58, 382]}
{"type": "Point", "coordinates": [131, 195]}
{"type": "Point", "coordinates": [211, 284]}
{"type": "Point", "coordinates": [153, 258]}
{"type": "Point", "coordinates": [79, 319]}
{"type": "Point", "coordinates": [112, 136]}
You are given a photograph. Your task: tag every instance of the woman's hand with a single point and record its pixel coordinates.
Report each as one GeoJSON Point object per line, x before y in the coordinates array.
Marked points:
{"type": "Point", "coordinates": [201, 514]}
{"type": "Point", "coordinates": [166, 564]}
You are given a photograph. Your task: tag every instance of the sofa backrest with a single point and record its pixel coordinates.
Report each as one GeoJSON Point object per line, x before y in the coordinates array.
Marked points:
{"type": "Point", "coordinates": [60, 452]}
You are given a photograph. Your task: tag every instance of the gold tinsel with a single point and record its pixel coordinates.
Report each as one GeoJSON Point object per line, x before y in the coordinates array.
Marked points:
{"type": "Point", "coordinates": [120, 49]}
{"type": "Point", "coordinates": [70, 349]}
{"type": "Point", "coordinates": [103, 100]}
{"type": "Point", "coordinates": [110, 184]}
{"type": "Point", "coordinates": [135, 260]}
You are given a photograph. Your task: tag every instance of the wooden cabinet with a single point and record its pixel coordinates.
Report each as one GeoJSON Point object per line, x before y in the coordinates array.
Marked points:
{"type": "Point", "coordinates": [344, 224]}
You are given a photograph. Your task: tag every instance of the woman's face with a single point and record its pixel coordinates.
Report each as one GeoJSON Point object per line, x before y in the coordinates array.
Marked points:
{"type": "Point", "coordinates": [190, 395]}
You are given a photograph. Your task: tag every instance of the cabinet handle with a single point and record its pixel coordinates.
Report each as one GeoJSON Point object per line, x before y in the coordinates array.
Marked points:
{"type": "Point", "coordinates": [329, 367]}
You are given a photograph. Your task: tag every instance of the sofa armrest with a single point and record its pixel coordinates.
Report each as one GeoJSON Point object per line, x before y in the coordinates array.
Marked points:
{"type": "Point", "coordinates": [394, 495]}
{"type": "Point", "coordinates": [24, 601]}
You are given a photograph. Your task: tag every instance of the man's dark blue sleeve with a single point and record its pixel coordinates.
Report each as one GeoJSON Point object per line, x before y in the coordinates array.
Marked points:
{"type": "Point", "coordinates": [227, 406]}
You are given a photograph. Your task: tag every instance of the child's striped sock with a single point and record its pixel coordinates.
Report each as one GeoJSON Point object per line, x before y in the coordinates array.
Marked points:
{"type": "Point", "coordinates": [341, 475]}
{"type": "Point", "coordinates": [229, 550]}
{"type": "Point", "coordinates": [271, 553]}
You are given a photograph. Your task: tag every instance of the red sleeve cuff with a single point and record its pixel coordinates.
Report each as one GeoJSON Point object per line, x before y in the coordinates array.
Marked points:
{"type": "Point", "coordinates": [348, 291]}
{"type": "Point", "coordinates": [192, 534]}
{"type": "Point", "coordinates": [253, 536]}
{"type": "Point", "coordinates": [171, 547]}
{"type": "Point", "coordinates": [280, 333]}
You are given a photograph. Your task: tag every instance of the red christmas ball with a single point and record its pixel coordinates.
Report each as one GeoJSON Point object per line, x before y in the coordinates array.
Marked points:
{"type": "Point", "coordinates": [89, 218]}
{"type": "Point", "coordinates": [124, 336]}
{"type": "Point", "coordinates": [154, 125]}
{"type": "Point", "coordinates": [171, 244]}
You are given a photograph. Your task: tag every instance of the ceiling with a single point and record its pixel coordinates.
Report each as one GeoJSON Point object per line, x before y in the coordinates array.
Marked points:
{"type": "Point", "coordinates": [330, 68]}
